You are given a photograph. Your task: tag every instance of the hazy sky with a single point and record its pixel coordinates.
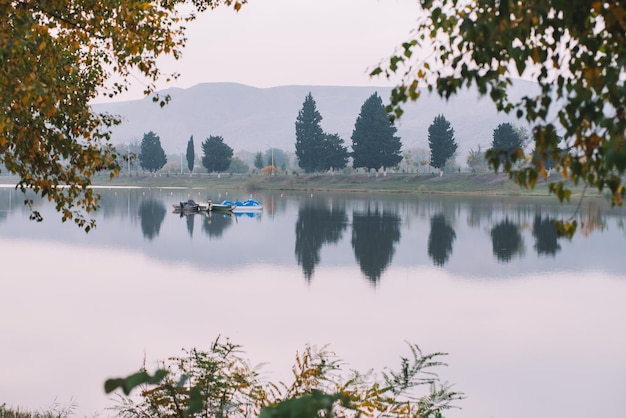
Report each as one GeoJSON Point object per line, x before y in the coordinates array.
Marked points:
{"type": "Point", "coordinates": [293, 42]}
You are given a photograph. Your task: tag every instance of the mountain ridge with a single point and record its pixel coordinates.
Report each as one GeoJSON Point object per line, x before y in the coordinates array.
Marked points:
{"type": "Point", "coordinates": [256, 119]}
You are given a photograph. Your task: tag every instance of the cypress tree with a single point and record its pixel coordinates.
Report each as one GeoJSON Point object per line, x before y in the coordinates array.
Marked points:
{"type": "Point", "coordinates": [309, 135]}
{"type": "Point", "coordinates": [442, 142]}
{"type": "Point", "coordinates": [191, 154]}
{"type": "Point", "coordinates": [374, 143]}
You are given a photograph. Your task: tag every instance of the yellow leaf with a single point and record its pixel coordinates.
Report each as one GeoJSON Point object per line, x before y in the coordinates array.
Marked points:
{"type": "Point", "coordinates": [597, 6]}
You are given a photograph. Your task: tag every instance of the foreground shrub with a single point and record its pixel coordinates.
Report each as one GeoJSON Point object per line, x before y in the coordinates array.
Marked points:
{"type": "Point", "coordinates": [221, 383]}
{"type": "Point", "coordinates": [55, 411]}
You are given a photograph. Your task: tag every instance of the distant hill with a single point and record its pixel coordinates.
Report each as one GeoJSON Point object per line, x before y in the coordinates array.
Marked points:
{"type": "Point", "coordinates": [255, 119]}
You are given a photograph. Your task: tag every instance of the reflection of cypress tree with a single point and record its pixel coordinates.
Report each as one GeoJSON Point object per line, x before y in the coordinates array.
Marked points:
{"type": "Point", "coordinates": [190, 218]}
{"type": "Point", "coordinates": [507, 240]}
{"type": "Point", "coordinates": [440, 239]}
{"type": "Point", "coordinates": [315, 227]}
{"type": "Point", "coordinates": [217, 223]}
{"type": "Point", "coordinates": [373, 236]}
{"type": "Point", "coordinates": [152, 214]}
{"type": "Point", "coordinates": [544, 231]}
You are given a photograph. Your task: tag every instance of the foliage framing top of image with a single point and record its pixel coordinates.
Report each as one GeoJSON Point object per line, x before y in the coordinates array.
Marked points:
{"type": "Point", "coordinates": [573, 49]}
{"type": "Point", "coordinates": [55, 58]}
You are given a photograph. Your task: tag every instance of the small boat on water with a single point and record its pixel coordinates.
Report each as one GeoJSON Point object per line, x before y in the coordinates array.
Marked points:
{"type": "Point", "coordinates": [192, 206]}
{"type": "Point", "coordinates": [221, 207]}
{"type": "Point", "coordinates": [188, 206]}
{"type": "Point", "coordinates": [249, 205]}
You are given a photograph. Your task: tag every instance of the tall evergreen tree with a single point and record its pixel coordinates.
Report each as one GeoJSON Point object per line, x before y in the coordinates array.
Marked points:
{"type": "Point", "coordinates": [442, 142]}
{"type": "Point", "coordinates": [335, 155]}
{"type": "Point", "coordinates": [506, 141]}
{"type": "Point", "coordinates": [191, 154]}
{"type": "Point", "coordinates": [309, 135]}
{"type": "Point", "coordinates": [152, 157]}
{"type": "Point", "coordinates": [374, 143]}
{"type": "Point", "coordinates": [217, 155]}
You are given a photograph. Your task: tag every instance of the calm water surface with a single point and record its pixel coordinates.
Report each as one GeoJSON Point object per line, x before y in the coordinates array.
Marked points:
{"type": "Point", "coordinates": [533, 324]}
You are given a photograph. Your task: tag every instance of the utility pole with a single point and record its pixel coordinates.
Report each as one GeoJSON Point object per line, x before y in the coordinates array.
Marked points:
{"type": "Point", "coordinates": [272, 150]}
{"type": "Point", "coordinates": [181, 159]}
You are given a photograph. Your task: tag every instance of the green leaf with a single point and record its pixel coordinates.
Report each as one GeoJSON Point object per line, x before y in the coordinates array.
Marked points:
{"type": "Point", "coordinates": [196, 401]}
{"type": "Point", "coordinates": [306, 406]}
{"type": "Point", "coordinates": [376, 71]}
{"type": "Point", "coordinates": [128, 383]}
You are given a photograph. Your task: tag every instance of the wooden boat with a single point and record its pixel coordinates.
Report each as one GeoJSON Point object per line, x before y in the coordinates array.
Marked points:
{"type": "Point", "coordinates": [224, 206]}
{"type": "Point", "coordinates": [188, 206]}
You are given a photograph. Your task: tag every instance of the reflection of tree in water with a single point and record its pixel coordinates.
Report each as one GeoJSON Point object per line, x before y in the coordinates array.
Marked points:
{"type": "Point", "coordinates": [315, 227]}
{"type": "Point", "coordinates": [190, 219]}
{"type": "Point", "coordinates": [152, 214]}
{"type": "Point", "coordinates": [507, 240]}
{"type": "Point", "coordinates": [373, 236]}
{"type": "Point", "coordinates": [6, 203]}
{"type": "Point", "coordinates": [440, 240]}
{"type": "Point", "coordinates": [216, 223]}
{"type": "Point", "coordinates": [546, 237]}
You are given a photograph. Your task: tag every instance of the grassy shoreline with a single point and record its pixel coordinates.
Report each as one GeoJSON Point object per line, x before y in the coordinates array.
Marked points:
{"type": "Point", "coordinates": [456, 183]}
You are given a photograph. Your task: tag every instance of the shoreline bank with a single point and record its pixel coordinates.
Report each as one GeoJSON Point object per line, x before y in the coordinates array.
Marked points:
{"type": "Point", "coordinates": [492, 184]}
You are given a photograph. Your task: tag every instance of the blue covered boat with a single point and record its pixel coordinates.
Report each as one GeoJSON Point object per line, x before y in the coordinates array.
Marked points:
{"type": "Point", "coordinates": [249, 205]}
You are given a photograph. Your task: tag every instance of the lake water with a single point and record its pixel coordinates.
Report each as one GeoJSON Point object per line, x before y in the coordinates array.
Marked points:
{"type": "Point", "coordinates": [533, 324]}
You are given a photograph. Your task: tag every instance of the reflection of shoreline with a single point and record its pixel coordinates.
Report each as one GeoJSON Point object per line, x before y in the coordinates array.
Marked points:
{"type": "Point", "coordinates": [271, 238]}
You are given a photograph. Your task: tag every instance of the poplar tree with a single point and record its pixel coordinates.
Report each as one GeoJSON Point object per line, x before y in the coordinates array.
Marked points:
{"type": "Point", "coordinates": [191, 154]}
